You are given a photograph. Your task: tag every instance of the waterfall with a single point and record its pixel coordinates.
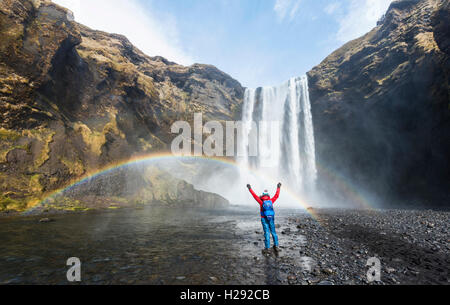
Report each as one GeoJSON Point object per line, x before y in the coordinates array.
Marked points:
{"type": "Point", "coordinates": [294, 149]}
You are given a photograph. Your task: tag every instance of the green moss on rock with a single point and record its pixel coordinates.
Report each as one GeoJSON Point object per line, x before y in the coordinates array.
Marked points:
{"type": "Point", "coordinates": [9, 135]}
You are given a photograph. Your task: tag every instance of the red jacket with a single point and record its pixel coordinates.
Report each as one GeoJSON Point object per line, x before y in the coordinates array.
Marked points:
{"type": "Point", "coordinates": [261, 199]}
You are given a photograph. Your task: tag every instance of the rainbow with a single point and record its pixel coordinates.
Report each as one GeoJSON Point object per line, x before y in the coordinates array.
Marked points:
{"type": "Point", "coordinates": [154, 157]}
{"type": "Point", "coordinates": [346, 188]}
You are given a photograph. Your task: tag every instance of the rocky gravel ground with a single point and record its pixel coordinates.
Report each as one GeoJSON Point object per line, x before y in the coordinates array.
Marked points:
{"type": "Point", "coordinates": [334, 247]}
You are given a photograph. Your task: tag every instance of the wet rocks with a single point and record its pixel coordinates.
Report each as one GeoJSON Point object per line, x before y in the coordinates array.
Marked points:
{"type": "Point", "coordinates": [336, 252]}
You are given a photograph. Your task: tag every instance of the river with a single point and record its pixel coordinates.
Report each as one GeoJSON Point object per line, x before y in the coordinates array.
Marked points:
{"type": "Point", "coordinates": [150, 245]}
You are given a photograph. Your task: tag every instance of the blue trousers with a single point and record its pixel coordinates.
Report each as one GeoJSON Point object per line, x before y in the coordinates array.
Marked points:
{"type": "Point", "coordinates": [269, 228]}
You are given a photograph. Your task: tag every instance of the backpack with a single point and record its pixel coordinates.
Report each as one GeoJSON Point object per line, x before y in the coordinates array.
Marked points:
{"type": "Point", "coordinates": [268, 209]}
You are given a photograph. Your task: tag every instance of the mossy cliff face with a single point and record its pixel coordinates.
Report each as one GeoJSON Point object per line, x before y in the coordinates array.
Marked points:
{"type": "Point", "coordinates": [381, 105]}
{"type": "Point", "coordinates": [73, 100]}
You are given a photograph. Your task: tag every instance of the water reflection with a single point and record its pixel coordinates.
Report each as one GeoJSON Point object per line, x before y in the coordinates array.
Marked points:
{"type": "Point", "coordinates": [136, 246]}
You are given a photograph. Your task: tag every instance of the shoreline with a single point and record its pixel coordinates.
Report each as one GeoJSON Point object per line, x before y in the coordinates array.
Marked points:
{"type": "Point", "coordinates": [53, 211]}
{"type": "Point", "coordinates": [332, 249]}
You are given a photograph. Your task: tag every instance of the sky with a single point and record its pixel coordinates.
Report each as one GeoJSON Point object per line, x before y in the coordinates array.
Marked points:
{"type": "Point", "coordinates": [257, 42]}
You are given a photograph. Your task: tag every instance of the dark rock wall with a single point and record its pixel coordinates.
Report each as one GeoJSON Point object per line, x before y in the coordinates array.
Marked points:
{"type": "Point", "coordinates": [381, 107]}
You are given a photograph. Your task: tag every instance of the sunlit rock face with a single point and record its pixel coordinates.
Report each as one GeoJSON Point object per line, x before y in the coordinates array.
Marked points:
{"type": "Point", "coordinates": [381, 106]}
{"type": "Point", "coordinates": [73, 100]}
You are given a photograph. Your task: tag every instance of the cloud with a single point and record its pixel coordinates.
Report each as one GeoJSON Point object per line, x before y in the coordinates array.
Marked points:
{"type": "Point", "coordinates": [286, 8]}
{"type": "Point", "coordinates": [331, 8]}
{"type": "Point", "coordinates": [154, 35]}
{"type": "Point", "coordinates": [360, 18]}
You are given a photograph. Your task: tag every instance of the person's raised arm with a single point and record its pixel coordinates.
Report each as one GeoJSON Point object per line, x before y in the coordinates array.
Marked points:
{"type": "Point", "coordinates": [277, 194]}
{"type": "Point", "coordinates": [253, 194]}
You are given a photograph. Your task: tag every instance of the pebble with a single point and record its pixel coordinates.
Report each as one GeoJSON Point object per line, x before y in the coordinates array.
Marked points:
{"type": "Point", "coordinates": [286, 231]}
{"type": "Point", "coordinates": [390, 270]}
{"type": "Point", "coordinates": [292, 278]}
{"type": "Point", "coordinates": [96, 278]}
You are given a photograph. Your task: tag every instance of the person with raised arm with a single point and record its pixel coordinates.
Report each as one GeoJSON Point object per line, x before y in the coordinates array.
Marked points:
{"type": "Point", "coordinates": [267, 217]}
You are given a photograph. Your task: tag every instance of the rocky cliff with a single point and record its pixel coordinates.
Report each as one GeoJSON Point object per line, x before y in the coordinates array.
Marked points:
{"type": "Point", "coordinates": [73, 100]}
{"type": "Point", "coordinates": [381, 106]}
{"type": "Point", "coordinates": [131, 186]}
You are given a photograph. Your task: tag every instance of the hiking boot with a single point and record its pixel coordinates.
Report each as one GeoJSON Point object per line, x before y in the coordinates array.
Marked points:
{"type": "Point", "coordinates": [266, 252]}
{"type": "Point", "coordinates": [276, 249]}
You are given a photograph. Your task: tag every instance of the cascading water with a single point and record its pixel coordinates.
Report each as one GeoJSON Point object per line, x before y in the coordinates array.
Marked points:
{"type": "Point", "coordinates": [294, 149]}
